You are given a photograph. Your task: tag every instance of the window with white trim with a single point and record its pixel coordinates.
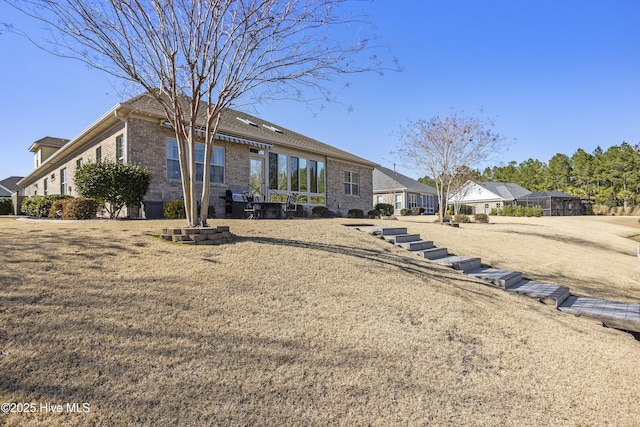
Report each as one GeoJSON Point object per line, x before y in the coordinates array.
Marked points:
{"type": "Point", "coordinates": [120, 149]}
{"type": "Point", "coordinates": [291, 173]}
{"type": "Point", "coordinates": [216, 164]}
{"type": "Point", "coordinates": [63, 181]}
{"type": "Point", "coordinates": [46, 186]}
{"type": "Point", "coordinates": [398, 201]}
{"type": "Point", "coordinates": [352, 183]}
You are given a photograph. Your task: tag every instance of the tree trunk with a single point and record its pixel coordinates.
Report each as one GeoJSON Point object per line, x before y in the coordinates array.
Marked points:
{"type": "Point", "coordinates": [206, 179]}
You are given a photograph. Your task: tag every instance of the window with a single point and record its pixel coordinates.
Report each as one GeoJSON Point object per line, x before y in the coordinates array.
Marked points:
{"type": "Point", "coordinates": [289, 173]}
{"type": "Point", "coordinates": [120, 149]}
{"type": "Point", "coordinates": [352, 183]}
{"type": "Point", "coordinates": [63, 181]}
{"type": "Point", "coordinates": [216, 165]}
{"type": "Point", "coordinates": [379, 199]}
{"type": "Point", "coordinates": [295, 174]}
{"type": "Point", "coordinates": [79, 163]}
{"type": "Point", "coordinates": [398, 201]}
{"type": "Point", "coordinates": [98, 154]}
{"type": "Point", "coordinates": [413, 200]}
{"type": "Point", "coordinates": [46, 186]}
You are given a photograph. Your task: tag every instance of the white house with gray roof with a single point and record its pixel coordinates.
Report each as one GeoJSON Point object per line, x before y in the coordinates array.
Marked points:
{"type": "Point", "coordinates": [402, 192]}
{"type": "Point", "coordinates": [485, 196]}
{"type": "Point", "coordinates": [250, 154]}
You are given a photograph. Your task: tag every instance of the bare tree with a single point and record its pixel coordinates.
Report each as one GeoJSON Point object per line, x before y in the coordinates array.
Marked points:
{"type": "Point", "coordinates": [458, 186]}
{"type": "Point", "coordinates": [447, 147]}
{"type": "Point", "coordinates": [198, 57]}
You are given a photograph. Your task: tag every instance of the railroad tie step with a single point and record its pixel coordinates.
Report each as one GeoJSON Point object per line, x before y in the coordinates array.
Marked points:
{"type": "Point", "coordinates": [502, 278]}
{"type": "Point", "coordinates": [546, 293]}
{"type": "Point", "coordinates": [432, 253]}
{"type": "Point", "coordinates": [402, 238]}
{"type": "Point", "coordinates": [417, 245]}
{"type": "Point", "coordinates": [390, 231]}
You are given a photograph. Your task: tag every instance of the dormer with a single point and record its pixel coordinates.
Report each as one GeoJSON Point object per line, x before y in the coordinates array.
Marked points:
{"type": "Point", "coordinates": [44, 148]}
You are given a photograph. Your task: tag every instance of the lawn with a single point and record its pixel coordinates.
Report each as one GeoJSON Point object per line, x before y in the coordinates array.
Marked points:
{"type": "Point", "coordinates": [307, 322]}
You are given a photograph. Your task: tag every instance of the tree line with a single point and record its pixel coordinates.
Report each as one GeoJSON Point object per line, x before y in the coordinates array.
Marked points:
{"type": "Point", "coordinates": [610, 177]}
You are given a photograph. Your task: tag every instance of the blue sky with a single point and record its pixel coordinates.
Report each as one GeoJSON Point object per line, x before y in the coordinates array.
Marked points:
{"type": "Point", "coordinates": [554, 75]}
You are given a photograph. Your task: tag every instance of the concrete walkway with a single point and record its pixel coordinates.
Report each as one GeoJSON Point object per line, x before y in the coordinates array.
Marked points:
{"type": "Point", "coordinates": [618, 315]}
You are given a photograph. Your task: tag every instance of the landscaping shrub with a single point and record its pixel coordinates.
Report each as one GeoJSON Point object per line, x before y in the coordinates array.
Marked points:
{"type": "Point", "coordinates": [6, 206]}
{"type": "Point", "coordinates": [328, 214]}
{"type": "Point", "coordinates": [57, 208]}
{"type": "Point", "coordinates": [416, 210]}
{"type": "Point", "coordinates": [536, 211]}
{"type": "Point", "coordinates": [385, 208]}
{"type": "Point", "coordinates": [174, 210]}
{"type": "Point", "coordinates": [79, 208]}
{"type": "Point", "coordinates": [405, 212]}
{"type": "Point", "coordinates": [373, 214]}
{"type": "Point", "coordinates": [600, 210]}
{"type": "Point", "coordinates": [493, 212]}
{"type": "Point", "coordinates": [481, 218]}
{"type": "Point", "coordinates": [355, 213]}
{"type": "Point", "coordinates": [300, 212]}
{"type": "Point", "coordinates": [464, 219]}
{"type": "Point", "coordinates": [115, 185]}
{"type": "Point", "coordinates": [39, 206]}
{"type": "Point", "coordinates": [317, 211]}
{"type": "Point", "coordinates": [211, 212]}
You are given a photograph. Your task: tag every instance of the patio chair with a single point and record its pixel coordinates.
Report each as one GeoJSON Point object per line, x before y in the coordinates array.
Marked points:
{"type": "Point", "coordinates": [252, 207]}
{"type": "Point", "coordinates": [291, 204]}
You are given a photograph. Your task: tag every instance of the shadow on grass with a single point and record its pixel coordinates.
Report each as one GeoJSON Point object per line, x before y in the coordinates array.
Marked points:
{"type": "Point", "coordinates": [408, 263]}
{"type": "Point", "coordinates": [573, 240]}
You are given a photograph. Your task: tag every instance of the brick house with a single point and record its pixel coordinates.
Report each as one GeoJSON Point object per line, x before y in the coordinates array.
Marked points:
{"type": "Point", "coordinates": [249, 154]}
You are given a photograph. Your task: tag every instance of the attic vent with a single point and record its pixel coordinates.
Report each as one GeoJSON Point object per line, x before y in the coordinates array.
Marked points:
{"type": "Point", "coordinates": [247, 121]}
{"type": "Point", "coordinates": [272, 129]}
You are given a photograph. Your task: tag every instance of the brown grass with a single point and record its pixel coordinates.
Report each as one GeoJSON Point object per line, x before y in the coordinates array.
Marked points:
{"type": "Point", "coordinates": [297, 323]}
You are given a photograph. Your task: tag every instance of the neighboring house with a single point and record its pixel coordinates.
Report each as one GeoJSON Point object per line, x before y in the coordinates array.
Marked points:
{"type": "Point", "coordinates": [9, 186]}
{"type": "Point", "coordinates": [402, 192]}
{"type": "Point", "coordinates": [554, 203]}
{"type": "Point", "coordinates": [249, 154]}
{"type": "Point", "coordinates": [485, 196]}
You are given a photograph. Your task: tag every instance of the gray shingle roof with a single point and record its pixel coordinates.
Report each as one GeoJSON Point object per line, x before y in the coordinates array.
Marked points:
{"type": "Point", "coordinates": [387, 179]}
{"type": "Point", "coordinates": [263, 131]}
{"type": "Point", "coordinates": [10, 184]}
{"type": "Point", "coordinates": [506, 190]}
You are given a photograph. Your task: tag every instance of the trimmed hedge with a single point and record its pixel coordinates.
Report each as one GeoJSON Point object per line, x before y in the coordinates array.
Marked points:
{"type": "Point", "coordinates": [317, 211]}
{"type": "Point", "coordinates": [385, 208]}
{"type": "Point", "coordinates": [481, 218]}
{"type": "Point", "coordinates": [39, 206]}
{"type": "Point", "coordinates": [175, 210]}
{"type": "Point", "coordinates": [463, 219]}
{"type": "Point", "coordinates": [79, 208]}
{"type": "Point", "coordinates": [356, 213]}
{"type": "Point", "coordinates": [417, 210]}
{"type": "Point", "coordinates": [6, 206]}
{"type": "Point", "coordinates": [373, 214]}
{"type": "Point", "coordinates": [57, 208]}
{"type": "Point", "coordinates": [405, 212]}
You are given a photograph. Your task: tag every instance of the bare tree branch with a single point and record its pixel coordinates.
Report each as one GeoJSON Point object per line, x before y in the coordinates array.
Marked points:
{"type": "Point", "coordinates": [447, 148]}
{"type": "Point", "coordinates": [183, 52]}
